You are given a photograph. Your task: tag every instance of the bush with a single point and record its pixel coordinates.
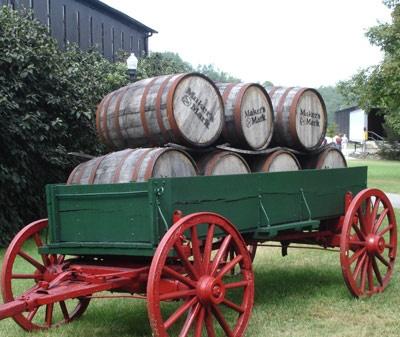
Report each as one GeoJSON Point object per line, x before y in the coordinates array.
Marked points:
{"type": "Point", "coordinates": [47, 103]}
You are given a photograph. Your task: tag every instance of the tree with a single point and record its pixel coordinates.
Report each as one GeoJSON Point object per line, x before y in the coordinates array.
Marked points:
{"type": "Point", "coordinates": [379, 86]}
{"type": "Point", "coordinates": [216, 74]}
{"type": "Point", "coordinates": [48, 101]}
{"type": "Point", "coordinates": [165, 63]}
{"type": "Point", "coordinates": [334, 100]}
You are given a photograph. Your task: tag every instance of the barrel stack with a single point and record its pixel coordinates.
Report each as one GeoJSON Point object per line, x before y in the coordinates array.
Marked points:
{"type": "Point", "coordinates": [264, 130]}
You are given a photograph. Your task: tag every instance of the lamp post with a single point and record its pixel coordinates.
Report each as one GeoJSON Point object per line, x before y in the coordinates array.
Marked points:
{"type": "Point", "coordinates": [132, 62]}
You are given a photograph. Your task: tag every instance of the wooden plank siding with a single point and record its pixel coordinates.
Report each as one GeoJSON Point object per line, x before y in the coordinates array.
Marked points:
{"type": "Point", "coordinates": [89, 24]}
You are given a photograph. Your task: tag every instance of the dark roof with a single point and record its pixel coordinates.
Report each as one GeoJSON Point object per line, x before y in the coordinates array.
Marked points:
{"type": "Point", "coordinates": [118, 14]}
{"type": "Point", "coordinates": [349, 109]}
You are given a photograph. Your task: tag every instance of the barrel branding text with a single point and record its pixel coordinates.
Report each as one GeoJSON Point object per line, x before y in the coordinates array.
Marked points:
{"type": "Point", "coordinates": [255, 116]}
{"type": "Point", "coordinates": [190, 99]}
{"type": "Point", "coordinates": [309, 118]}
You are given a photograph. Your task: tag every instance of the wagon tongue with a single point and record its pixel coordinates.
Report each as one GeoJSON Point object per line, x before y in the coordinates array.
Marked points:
{"type": "Point", "coordinates": [13, 308]}
{"type": "Point", "coordinates": [79, 281]}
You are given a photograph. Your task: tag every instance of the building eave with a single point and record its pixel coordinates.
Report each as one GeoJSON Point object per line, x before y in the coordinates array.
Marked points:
{"type": "Point", "coordinates": [118, 14]}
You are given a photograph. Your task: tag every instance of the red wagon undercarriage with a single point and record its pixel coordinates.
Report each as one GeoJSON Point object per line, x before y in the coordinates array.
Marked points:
{"type": "Point", "coordinates": [196, 275]}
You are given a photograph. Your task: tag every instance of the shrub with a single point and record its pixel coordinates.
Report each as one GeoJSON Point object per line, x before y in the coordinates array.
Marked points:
{"type": "Point", "coordinates": [48, 99]}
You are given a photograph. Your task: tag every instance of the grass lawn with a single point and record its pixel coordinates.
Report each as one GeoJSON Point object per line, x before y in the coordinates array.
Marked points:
{"type": "Point", "coordinates": [300, 295]}
{"type": "Point", "coordinates": [383, 174]}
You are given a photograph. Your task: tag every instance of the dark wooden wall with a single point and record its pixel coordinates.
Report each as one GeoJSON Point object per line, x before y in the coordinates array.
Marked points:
{"type": "Point", "coordinates": [87, 25]}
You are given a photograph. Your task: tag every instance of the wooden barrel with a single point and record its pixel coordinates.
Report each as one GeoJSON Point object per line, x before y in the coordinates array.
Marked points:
{"type": "Point", "coordinates": [249, 117]}
{"type": "Point", "coordinates": [222, 163]}
{"type": "Point", "coordinates": [326, 159]}
{"type": "Point", "coordinates": [184, 109]}
{"type": "Point", "coordinates": [277, 161]}
{"type": "Point", "coordinates": [300, 117]}
{"type": "Point", "coordinates": [134, 165]}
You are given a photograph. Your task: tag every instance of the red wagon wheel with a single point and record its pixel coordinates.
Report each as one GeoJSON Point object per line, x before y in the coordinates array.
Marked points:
{"type": "Point", "coordinates": [23, 268]}
{"type": "Point", "coordinates": [204, 299]}
{"type": "Point", "coordinates": [368, 243]}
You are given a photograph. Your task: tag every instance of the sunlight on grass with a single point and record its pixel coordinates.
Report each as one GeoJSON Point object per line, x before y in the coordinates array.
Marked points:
{"type": "Point", "coordinates": [383, 174]}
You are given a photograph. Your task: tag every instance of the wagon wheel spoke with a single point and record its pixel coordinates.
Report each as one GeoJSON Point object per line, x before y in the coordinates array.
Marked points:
{"type": "Point", "coordinates": [208, 246]}
{"type": "Point", "coordinates": [359, 265]}
{"type": "Point", "coordinates": [358, 231]}
{"type": "Point", "coordinates": [179, 312]}
{"type": "Point", "coordinates": [32, 261]}
{"type": "Point", "coordinates": [49, 314]}
{"type": "Point", "coordinates": [233, 306]}
{"type": "Point", "coordinates": [221, 320]}
{"type": "Point", "coordinates": [231, 264]}
{"type": "Point", "coordinates": [239, 284]}
{"type": "Point", "coordinates": [180, 294]}
{"type": "Point", "coordinates": [384, 231]}
{"type": "Point", "coordinates": [370, 275]}
{"type": "Point", "coordinates": [364, 274]}
{"type": "Point", "coordinates": [196, 249]}
{"type": "Point", "coordinates": [32, 314]}
{"type": "Point", "coordinates": [223, 250]}
{"type": "Point", "coordinates": [200, 322]}
{"type": "Point", "coordinates": [190, 320]}
{"type": "Point", "coordinates": [377, 272]}
{"type": "Point", "coordinates": [383, 260]}
{"type": "Point", "coordinates": [185, 261]}
{"type": "Point", "coordinates": [356, 255]}
{"type": "Point", "coordinates": [209, 323]}
{"type": "Point", "coordinates": [174, 274]}
{"type": "Point", "coordinates": [375, 209]}
{"type": "Point", "coordinates": [24, 276]}
{"type": "Point", "coordinates": [64, 310]}
{"type": "Point", "coordinates": [379, 221]}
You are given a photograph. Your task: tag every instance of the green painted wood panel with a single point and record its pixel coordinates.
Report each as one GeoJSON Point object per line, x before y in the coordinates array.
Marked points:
{"type": "Point", "coordinates": [130, 219]}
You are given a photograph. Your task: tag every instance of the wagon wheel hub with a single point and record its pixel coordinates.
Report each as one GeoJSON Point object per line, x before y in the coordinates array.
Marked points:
{"type": "Point", "coordinates": [375, 244]}
{"type": "Point", "coordinates": [210, 290]}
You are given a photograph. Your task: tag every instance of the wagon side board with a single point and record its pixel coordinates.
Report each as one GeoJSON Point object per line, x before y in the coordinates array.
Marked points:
{"type": "Point", "coordinates": [131, 219]}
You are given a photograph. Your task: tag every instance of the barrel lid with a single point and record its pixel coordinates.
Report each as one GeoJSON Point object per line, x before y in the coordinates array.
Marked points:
{"type": "Point", "coordinates": [310, 117]}
{"type": "Point", "coordinates": [256, 114]}
{"type": "Point", "coordinates": [197, 109]}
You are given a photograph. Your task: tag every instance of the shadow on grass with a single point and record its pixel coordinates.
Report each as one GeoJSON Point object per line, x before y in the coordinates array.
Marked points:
{"type": "Point", "coordinates": [272, 284]}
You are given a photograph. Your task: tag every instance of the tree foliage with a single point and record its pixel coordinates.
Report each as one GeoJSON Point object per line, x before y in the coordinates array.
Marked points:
{"type": "Point", "coordinates": [47, 104]}
{"type": "Point", "coordinates": [334, 100]}
{"type": "Point", "coordinates": [217, 74]}
{"type": "Point", "coordinates": [379, 86]}
{"type": "Point", "coordinates": [165, 63]}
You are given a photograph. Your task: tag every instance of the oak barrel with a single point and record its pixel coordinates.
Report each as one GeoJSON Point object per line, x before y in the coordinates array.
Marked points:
{"type": "Point", "coordinates": [184, 109]}
{"type": "Point", "coordinates": [134, 165]}
{"type": "Point", "coordinates": [300, 117]}
{"type": "Point", "coordinates": [278, 161]}
{"type": "Point", "coordinates": [221, 163]}
{"type": "Point", "coordinates": [249, 117]}
{"type": "Point", "coordinates": [326, 159]}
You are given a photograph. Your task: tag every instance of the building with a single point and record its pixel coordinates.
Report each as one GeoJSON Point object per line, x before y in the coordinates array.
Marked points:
{"type": "Point", "coordinates": [353, 120]}
{"type": "Point", "coordinates": [89, 24]}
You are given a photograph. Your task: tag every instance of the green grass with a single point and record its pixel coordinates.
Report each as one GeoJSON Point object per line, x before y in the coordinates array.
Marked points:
{"type": "Point", "coordinates": [300, 295]}
{"type": "Point", "coordinates": [383, 174]}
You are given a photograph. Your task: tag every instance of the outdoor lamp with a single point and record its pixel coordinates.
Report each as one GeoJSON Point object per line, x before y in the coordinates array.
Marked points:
{"type": "Point", "coordinates": [132, 62]}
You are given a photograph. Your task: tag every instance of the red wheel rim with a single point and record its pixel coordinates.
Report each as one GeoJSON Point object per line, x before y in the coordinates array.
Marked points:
{"type": "Point", "coordinates": [23, 268]}
{"type": "Point", "coordinates": [368, 243]}
{"type": "Point", "coordinates": [203, 298]}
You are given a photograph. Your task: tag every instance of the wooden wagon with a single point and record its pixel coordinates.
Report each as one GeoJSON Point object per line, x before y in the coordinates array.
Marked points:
{"type": "Point", "coordinates": [185, 245]}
